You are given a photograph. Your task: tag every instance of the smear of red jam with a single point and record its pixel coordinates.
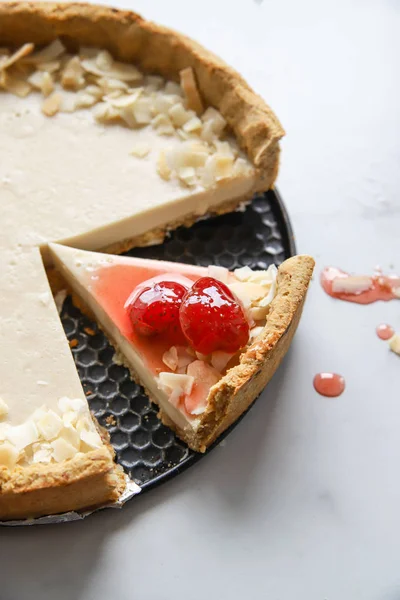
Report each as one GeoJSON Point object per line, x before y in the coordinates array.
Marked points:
{"type": "Point", "coordinates": [384, 331]}
{"type": "Point", "coordinates": [383, 287]}
{"type": "Point", "coordinates": [113, 284]}
{"type": "Point", "coordinates": [329, 384]}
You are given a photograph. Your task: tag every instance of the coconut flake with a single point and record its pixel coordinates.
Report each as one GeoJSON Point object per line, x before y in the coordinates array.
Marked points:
{"type": "Point", "coordinates": [174, 382]}
{"type": "Point", "coordinates": [162, 167]}
{"type": "Point", "coordinates": [351, 285]}
{"type": "Point", "coordinates": [190, 89]}
{"type": "Point", "coordinates": [179, 115]}
{"type": "Point", "coordinates": [62, 450]}
{"type": "Point", "coordinates": [73, 75]}
{"type": "Point", "coordinates": [90, 439]}
{"type": "Point", "coordinates": [218, 273]}
{"type": "Point", "coordinates": [243, 273]}
{"type": "Point", "coordinates": [23, 435]}
{"type": "Point", "coordinates": [170, 358]}
{"type": "Point", "coordinates": [50, 425]}
{"type": "Point", "coordinates": [52, 105]}
{"type": "Point", "coordinates": [220, 359]}
{"type": "Point", "coordinates": [258, 313]}
{"type": "Point", "coordinates": [187, 175]}
{"type": "Point", "coordinates": [255, 332]}
{"type": "Point", "coordinates": [184, 357]}
{"type": "Point", "coordinates": [42, 453]}
{"type": "Point", "coordinates": [394, 343]}
{"type": "Point", "coordinates": [7, 61]}
{"type": "Point", "coordinates": [215, 120]}
{"type": "Point", "coordinates": [15, 85]}
{"type": "Point", "coordinates": [47, 54]}
{"type": "Point", "coordinates": [103, 67]}
{"type": "Point", "coordinates": [8, 455]}
{"type": "Point", "coordinates": [140, 150]}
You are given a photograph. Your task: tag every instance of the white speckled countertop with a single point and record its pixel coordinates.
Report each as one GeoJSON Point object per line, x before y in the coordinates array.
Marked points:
{"type": "Point", "coordinates": [303, 500]}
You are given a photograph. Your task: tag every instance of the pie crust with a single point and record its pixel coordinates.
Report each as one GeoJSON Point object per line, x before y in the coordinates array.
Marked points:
{"type": "Point", "coordinates": [85, 481]}
{"type": "Point", "coordinates": [155, 49]}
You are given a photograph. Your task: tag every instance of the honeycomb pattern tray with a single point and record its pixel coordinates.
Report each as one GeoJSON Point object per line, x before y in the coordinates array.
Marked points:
{"type": "Point", "coordinates": [149, 452]}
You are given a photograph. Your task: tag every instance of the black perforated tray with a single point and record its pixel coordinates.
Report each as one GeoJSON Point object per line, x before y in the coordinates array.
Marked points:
{"type": "Point", "coordinates": [149, 452]}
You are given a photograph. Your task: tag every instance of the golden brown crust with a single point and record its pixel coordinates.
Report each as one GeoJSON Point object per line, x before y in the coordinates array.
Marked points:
{"type": "Point", "coordinates": [86, 481]}
{"type": "Point", "coordinates": [155, 49]}
{"type": "Point", "coordinates": [235, 392]}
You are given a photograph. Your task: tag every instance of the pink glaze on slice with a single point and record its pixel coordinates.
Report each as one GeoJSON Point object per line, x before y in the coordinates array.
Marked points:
{"type": "Point", "coordinates": [112, 286]}
{"type": "Point", "coordinates": [205, 377]}
{"type": "Point", "coordinates": [383, 287]}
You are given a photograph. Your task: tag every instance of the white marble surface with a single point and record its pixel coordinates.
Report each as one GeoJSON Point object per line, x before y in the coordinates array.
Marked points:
{"type": "Point", "coordinates": [303, 501]}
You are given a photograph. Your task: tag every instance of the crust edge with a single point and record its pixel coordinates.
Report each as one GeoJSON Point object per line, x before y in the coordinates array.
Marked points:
{"type": "Point", "coordinates": [91, 480]}
{"type": "Point", "coordinates": [156, 49]}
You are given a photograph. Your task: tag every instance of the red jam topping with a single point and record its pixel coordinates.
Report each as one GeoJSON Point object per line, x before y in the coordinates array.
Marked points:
{"type": "Point", "coordinates": [384, 331]}
{"type": "Point", "coordinates": [112, 288]}
{"type": "Point", "coordinates": [212, 319]}
{"type": "Point", "coordinates": [382, 287]}
{"type": "Point", "coordinates": [329, 384]}
{"type": "Point", "coordinates": [155, 310]}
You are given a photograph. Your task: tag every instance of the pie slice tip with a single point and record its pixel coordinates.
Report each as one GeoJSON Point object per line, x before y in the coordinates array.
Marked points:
{"type": "Point", "coordinates": [104, 284]}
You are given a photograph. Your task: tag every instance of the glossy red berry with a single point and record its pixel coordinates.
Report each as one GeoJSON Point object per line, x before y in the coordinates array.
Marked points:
{"type": "Point", "coordinates": [155, 310]}
{"type": "Point", "coordinates": [212, 319]}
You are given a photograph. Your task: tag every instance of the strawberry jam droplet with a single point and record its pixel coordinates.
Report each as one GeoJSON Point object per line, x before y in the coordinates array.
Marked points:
{"type": "Point", "coordinates": [155, 310]}
{"type": "Point", "coordinates": [384, 331]}
{"type": "Point", "coordinates": [212, 319]}
{"type": "Point", "coordinates": [382, 287]}
{"type": "Point", "coordinates": [329, 384]}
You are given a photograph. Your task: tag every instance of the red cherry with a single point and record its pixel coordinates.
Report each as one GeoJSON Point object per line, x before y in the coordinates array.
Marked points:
{"type": "Point", "coordinates": [212, 319]}
{"type": "Point", "coordinates": [155, 310]}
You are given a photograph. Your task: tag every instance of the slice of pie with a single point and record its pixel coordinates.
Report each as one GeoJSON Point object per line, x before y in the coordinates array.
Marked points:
{"type": "Point", "coordinates": [203, 342]}
{"type": "Point", "coordinates": [113, 131]}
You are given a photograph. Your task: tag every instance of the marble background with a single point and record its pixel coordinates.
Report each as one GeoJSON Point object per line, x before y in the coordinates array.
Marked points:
{"type": "Point", "coordinates": [303, 500]}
